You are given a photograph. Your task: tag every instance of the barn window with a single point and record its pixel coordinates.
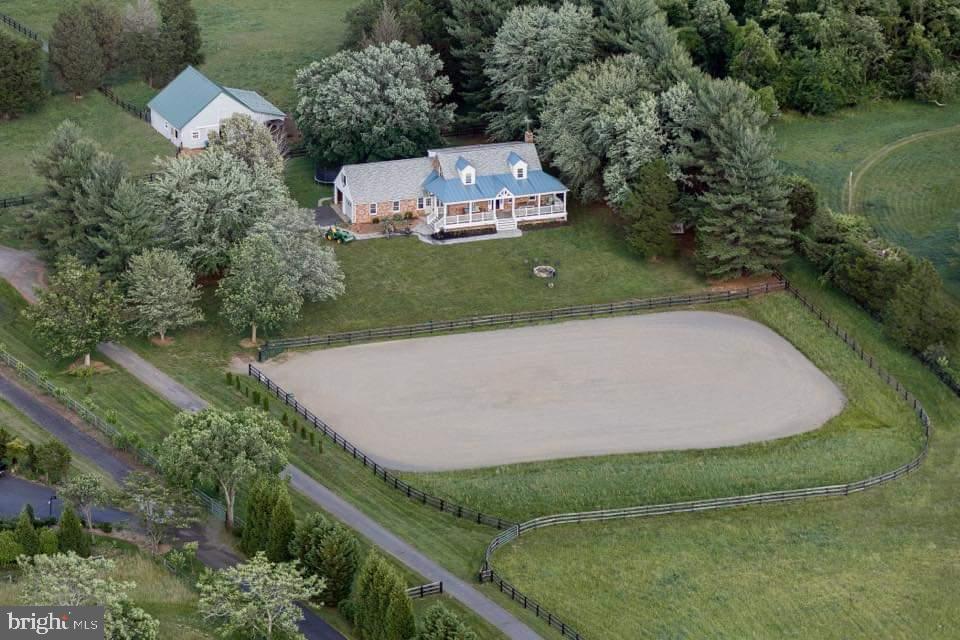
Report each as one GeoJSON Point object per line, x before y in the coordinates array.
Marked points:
{"type": "Point", "coordinates": [195, 135]}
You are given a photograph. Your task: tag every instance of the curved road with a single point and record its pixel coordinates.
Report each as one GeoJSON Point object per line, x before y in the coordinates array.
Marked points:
{"type": "Point", "coordinates": [26, 273]}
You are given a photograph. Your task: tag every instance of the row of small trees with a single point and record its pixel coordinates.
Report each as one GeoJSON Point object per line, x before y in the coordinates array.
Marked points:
{"type": "Point", "coordinates": [93, 38]}
{"type": "Point", "coordinates": [128, 251]}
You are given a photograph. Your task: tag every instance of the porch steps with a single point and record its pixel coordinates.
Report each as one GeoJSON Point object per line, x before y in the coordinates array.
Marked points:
{"type": "Point", "coordinates": [506, 224]}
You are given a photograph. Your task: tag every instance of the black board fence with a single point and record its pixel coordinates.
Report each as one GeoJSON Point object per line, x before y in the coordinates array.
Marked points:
{"type": "Point", "coordinates": [424, 590]}
{"type": "Point", "coordinates": [23, 29]}
{"type": "Point", "coordinates": [20, 200]}
{"type": "Point", "coordinates": [379, 470]}
{"type": "Point", "coordinates": [132, 109]}
{"type": "Point", "coordinates": [275, 347]}
{"type": "Point", "coordinates": [489, 574]}
{"type": "Point", "coordinates": [116, 436]}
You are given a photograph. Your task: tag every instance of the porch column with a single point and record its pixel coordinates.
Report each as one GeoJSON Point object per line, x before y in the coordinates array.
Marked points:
{"type": "Point", "coordinates": [538, 204]}
{"type": "Point", "coordinates": [513, 206]}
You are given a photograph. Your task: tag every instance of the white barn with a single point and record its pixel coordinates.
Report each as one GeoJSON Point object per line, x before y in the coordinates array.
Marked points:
{"type": "Point", "coordinates": [192, 106]}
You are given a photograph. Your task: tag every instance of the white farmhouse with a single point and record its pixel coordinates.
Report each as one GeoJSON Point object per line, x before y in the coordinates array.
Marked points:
{"type": "Point", "coordinates": [192, 106]}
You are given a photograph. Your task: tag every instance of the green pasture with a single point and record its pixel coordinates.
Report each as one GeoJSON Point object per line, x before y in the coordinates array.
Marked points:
{"type": "Point", "coordinates": [878, 564]}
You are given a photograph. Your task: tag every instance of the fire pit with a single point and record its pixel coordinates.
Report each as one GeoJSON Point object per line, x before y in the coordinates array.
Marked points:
{"type": "Point", "coordinates": [544, 271]}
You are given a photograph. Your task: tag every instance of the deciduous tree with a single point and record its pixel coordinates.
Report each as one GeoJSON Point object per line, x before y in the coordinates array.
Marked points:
{"type": "Point", "coordinates": [157, 507]}
{"type": "Point", "coordinates": [85, 491]}
{"type": "Point", "coordinates": [381, 103]}
{"type": "Point", "coordinates": [257, 292]}
{"type": "Point", "coordinates": [257, 598]}
{"type": "Point", "coordinates": [250, 141]}
{"type": "Point", "coordinates": [161, 293]}
{"type": "Point", "coordinates": [52, 461]}
{"type": "Point", "coordinates": [224, 448]}
{"type": "Point", "coordinates": [439, 623]}
{"type": "Point", "coordinates": [76, 312]}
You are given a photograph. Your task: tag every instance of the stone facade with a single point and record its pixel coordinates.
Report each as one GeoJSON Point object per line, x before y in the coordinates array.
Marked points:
{"type": "Point", "coordinates": [385, 211]}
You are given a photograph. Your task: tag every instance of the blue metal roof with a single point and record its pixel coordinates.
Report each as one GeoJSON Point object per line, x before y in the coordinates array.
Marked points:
{"type": "Point", "coordinates": [514, 158]}
{"type": "Point", "coordinates": [462, 164]}
{"type": "Point", "coordinates": [489, 187]}
{"type": "Point", "coordinates": [191, 91]}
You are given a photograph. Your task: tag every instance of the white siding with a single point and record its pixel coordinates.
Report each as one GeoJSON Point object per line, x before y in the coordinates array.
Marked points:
{"type": "Point", "coordinates": [220, 108]}
{"type": "Point", "coordinates": [347, 204]}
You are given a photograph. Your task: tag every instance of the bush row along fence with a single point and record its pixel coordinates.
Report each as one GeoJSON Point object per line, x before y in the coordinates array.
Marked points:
{"type": "Point", "coordinates": [275, 347]}
{"type": "Point", "coordinates": [488, 574]}
{"type": "Point", "coordinates": [117, 437]}
{"type": "Point", "coordinates": [378, 470]}
{"type": "Point", "coordinates": [24, 29]}
{"type": "Point", "coordinates": [424, 590]}
{"type": "Point", "coordinates": [132, 109]}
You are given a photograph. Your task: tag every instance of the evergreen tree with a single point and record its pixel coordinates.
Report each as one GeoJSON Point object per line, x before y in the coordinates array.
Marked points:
{"type": "Point", "coordinates": [802, 201]}
{"type": "Point", "coordinates": [71, 535]}
{"type": "Point", "coordinates": [75, 55]}
{"type": "Point", "coordinates": [534, 49]}
{"type": "Point", "coordinates": [179, 41]}
{"type": "Point", "coordinates": [400, 623]}
{"type": "Point", "coordinates": [921, 314]}
{"type": "Point", "coordinates": [439, 623]}
{"type": "Point", "coordinates": [105, 20]}
{"type": "Point", "coordinates": [53, 460]}
{"type": "Point", "coordinates": [755, 59]}
{"type": "Point", "coordinates": [26, 534]}
{"type": "Point", "coordinates": [161, 293]}
{"type": "Point", "coordinates": [21, 76]}
{"type": "Point", "coordinates": [64, 163]}
{"type": "Point", "coordinates": [49, 544]}
{"type": "Point", "coordinates": [472, 26]}
{"type": "Point", "coordinates": [339, 560]}
{"type": "Point", "coordinates": [95, 193]}
{"type": "Point", "coordinates": [127, 225]}
{"type": "Point", "coordinates": [648, 211]}
{"type": "Point", "coordinates": [140, 41]}
{"type": "Point", "coordinates": [260, 503]}
{"type": "Point", "coordinates": [283, 523]}
{"type": "Point", "coordinates": [368, 605]}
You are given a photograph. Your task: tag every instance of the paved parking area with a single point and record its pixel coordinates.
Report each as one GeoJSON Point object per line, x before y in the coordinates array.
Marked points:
{"type": "Point", "coordinates": [677, 380]}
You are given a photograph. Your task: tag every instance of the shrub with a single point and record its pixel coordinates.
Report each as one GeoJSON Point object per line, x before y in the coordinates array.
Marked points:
{"type": "Point", "coordinates": [266, 403]}
{"type": "Point", "coordinates": [320, 446]}
{"type": "Point", "coordinates": [312, 438]}
{"type": "Point", "coordinates": [27, 537]}
{"type": "Point", "coordinates": [229, 378]}
{"type": "Point", "coordinates": [9, 548]}
{"type": "Point", "coordinates": [375, 220]}
{"type": "Point", "coordinates": [49, 544]}
{"type": "Point", "coordinates": [284, 420]}
{"type": "Point", "coordinates": [256, 397]}
{"type": "Point", "coordinates": [236, 383]}
{"type": "Point", "coordinates": [920, 315]}
{"type": "Point", "coordinates": [303, 433]}
{"type": "Point", "coordinates": [106, 527]}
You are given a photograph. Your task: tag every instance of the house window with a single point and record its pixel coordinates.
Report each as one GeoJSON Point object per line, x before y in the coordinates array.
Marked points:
{"type": "Point", "coordinates": [521, 173]}
{"type": "Point", "coordinates": [343, 179]}
{"type": "Point", "coordinates": [420, 204]}
{"type": "Point", "coordinates": [373, 209]}
{"type": "Point", "coordinates": [396, 206]}
{"type": "Point", "coordinates": [176, 133]}
{"type": "Point", "coordinates": [429, 202]}
{"type": "Point", "coordinates": [195, 135]}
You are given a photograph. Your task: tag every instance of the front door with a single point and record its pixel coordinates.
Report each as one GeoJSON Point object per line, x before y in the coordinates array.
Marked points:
{"type": "Point", "coordinates": [498, 204]}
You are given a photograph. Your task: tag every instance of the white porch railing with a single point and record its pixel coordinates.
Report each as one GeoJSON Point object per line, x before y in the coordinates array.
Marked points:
{"type": "Point", "coordinates": [433, 217]}
{"type": "Point", "coordinates": [470, 218]}
{"type": "Point", "coordinates": [545, 210]}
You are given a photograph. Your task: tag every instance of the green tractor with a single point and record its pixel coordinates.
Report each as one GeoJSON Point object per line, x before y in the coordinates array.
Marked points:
{"type": "Point", "coordinates": [338, 235]}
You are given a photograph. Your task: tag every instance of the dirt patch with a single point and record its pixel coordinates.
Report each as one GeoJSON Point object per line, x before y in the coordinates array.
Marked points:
{"type": "Point", "coordinates": [165, 342]}
{"type": "Point", "coordinates": [743, 282]}
{"type": "Point", "coordinates": [247, 343]}
{"type": "Point", "coordinates": [96, 367]}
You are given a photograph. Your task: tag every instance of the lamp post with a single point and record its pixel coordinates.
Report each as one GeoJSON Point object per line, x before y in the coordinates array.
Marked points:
{"type": "Point", "coordinates": [50, 504]}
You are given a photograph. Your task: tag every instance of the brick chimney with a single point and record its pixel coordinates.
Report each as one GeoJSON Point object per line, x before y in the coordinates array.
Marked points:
{"type": "Point", "coordinates": [528, 136]}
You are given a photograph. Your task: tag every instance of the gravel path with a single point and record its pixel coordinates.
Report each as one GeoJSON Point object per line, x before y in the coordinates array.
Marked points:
{"type": "Point", "coordinates": [23, 270]}
{"type": "Point", "coordinates": [665, 381]}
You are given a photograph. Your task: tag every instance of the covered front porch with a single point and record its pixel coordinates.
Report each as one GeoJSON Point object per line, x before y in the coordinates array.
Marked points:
{"type": "Point", "coordinates": [504, 212]}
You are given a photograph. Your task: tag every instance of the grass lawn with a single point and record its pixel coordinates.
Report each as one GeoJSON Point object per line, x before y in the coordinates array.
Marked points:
{"type": "Point", "coordinates": [131, 140]}
{"type": "Point", "coordinates": [20, 425]}
{"type": "Point", "coordinates": [164, 596]}
{"type": "Point", "coordinates": [135, 406]}
{"type": "Point", "coordinates": [826, 149]}
{"type": "Point", "coordinates": [299, 179]}
{"type": "Point", "coordinates": [879, 564]}
{"type": "Point", "coordinates": [912, 197]}
{"type": "Point", "coordinates": [247, 44]}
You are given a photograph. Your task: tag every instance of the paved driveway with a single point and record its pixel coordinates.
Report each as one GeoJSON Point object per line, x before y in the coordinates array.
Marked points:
{"type": "Point", "coordinates": [17, 492]}
{"type": "Point", "coordinates": [679, 380]}
{"type": "Point", "coordinates": [325, 216]}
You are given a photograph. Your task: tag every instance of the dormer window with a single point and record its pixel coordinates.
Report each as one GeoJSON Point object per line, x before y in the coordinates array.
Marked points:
{"type": "Point", "coordinates": [517, 165]}
{"type": "Point", "coordinates": [468, 175]}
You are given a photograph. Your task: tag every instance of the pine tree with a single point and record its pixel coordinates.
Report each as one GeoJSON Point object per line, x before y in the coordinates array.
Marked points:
{"type": "Point", "coordinates": [260, 503]}
{"type": "Point", "coordinates": [75, 55]}
{"type": "Point", "coordinates": [369, 609]}
{"type": "Point", "coordinates": [283, 523]}
{"type": "Point", "coordinates": [21, 76]}
{"type": "Point", "coordinates": [72, 537]}
{"type": "Point", "coordinates": [140, 40]}
{"type": "Point", "coordinates": [921, 314]}
{"type": "Point", "coordinates": [400, 623]}
{"type": "Point", "coordinates": [179, 37]}
{"type": "Point", "coordinates": [339, 557]}
{"type": "Point", "coordinates": [94, 196]}
{"type": "Point", "coordinates": [127, 226]}
{"type": "Point", "coordinates": [648, 213]}
{"type": "Point", "coordinates": [472, 25]}
{"type": "Point", "coordinates": [105, 20]}
{"type": "Point", "coordinates": [26, 535]}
